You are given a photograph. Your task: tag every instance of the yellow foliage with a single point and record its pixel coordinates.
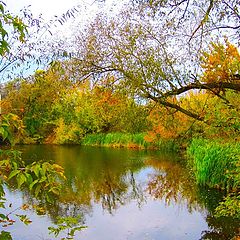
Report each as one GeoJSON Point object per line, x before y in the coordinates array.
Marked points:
{"type": "Point", "coordinates": [67, 133]}
{"type": "Point", "coordinates": [220, 63]}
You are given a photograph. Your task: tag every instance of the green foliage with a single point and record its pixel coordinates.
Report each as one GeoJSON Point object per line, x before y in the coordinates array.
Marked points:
{"type": "Point", "coordinates": [98, 110]}
{"type": "Point", "coordinates": [7, 22]}
{"type": "Point", "coordinates": [42, 179]}
{"type": "Point", "coordinates": [229, 207]}
{"type": "Point", "coordinates": [34, 100]}
{"type": "Point", "coordinates": [135, 140]}
{"type": "Point", "coordinates": [212, 161]}
{"type": "Point", "coordinates": [11, 128]}
{"type": "Point", "coordinates": [59, 111]}
{"type": "Point", "coordinates": [67, 134]}
{"type": "Point", "coordinates": [217, 164]}
{"type": "Point", "coordinates": [69, 225]}
{"type": "Point", "coordinates": [116, 139]}
{"type": "Point", "coordinates": [5, 235]}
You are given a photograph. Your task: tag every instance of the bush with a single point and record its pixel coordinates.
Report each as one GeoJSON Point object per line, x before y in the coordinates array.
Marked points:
{"type": "Point", "coordinates": [67, 134]}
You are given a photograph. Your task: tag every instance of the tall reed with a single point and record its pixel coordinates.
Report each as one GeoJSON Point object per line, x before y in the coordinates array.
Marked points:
{"type": "Point", "coordinates": [128, 140]}
{"type": "Point", "coordinates": [213, 161]}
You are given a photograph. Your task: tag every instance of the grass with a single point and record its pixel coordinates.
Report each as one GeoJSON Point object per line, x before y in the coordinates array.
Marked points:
{"type": "Point", "coordinates": [217, 164]}
{"type": "Point", "coordinates": [213, 162]}
{"type": "Point", "coordinates": [128, 140]}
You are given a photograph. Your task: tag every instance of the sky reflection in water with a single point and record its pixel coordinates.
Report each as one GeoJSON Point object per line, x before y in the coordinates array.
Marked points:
{"type": "Point", "coordinates": [124, 194]}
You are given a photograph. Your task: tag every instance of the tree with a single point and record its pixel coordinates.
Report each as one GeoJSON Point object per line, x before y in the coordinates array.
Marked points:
{"type": "Point", "coordinates": [203, 17]}
{"type": "Point", "coordinates": [35, 176]}
{"type": "Point", "coordinates": [13, 22]}
{"type": "Point", "coordinates": [221, 64]}
{"type": "Point", "coordinates": [85, 109]}
{"type": "Point", "coordinates": [155, 48]}
{"type": "Point", "coordinates": [32, 99]}
{"type": "Point", "coordinates": [23, 37]}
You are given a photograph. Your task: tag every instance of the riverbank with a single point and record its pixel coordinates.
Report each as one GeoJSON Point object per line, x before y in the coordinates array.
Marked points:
{"type": "Point", "coordinates": [216, 164]}
{"type": "Point", "coordinates": [128, 140]}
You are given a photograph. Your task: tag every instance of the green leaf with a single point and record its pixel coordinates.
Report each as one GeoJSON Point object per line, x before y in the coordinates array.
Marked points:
{"type": "Point", "coordinates": [37, 190]}
{"type": "Point", "coordinates": [24, 219]}
{"type": "Point", "coordinates": [36, 169]}
{"type": "Point", "coordinates": [5, 236]}
{"type": "Point", "coordinates": [32, 184]}
{"type": "Point", "coordinates": [1, 8]}
{"type": "Point", "coordinates": [3, 132]}
{"type": "Point", "coordinates": [43, 179]}
{"type": "Point", "coordinates": [29, 178]}
{"type": "Point", "coordinates": [2, 216]}
{"type": "Point", "coordinates": [54, 190]}
{"type": "Point", "coordinates": [21, 179]}
{"type": "Point", "coordinates": [13, 174]}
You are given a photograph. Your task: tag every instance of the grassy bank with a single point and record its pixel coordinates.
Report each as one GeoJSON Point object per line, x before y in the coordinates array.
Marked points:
{"type": "Point", "coordinates": [217, 164]}
{"type": "Point", "coordinates": [128, 140]}
{"type": "Point", "coordinates": [214, 161]}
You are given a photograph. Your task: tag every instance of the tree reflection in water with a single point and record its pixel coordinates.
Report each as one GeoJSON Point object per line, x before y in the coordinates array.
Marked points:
{"type": "Point", "coordinates": [100, 176]}
{"type": "Point", "coordinates": [172, 183]}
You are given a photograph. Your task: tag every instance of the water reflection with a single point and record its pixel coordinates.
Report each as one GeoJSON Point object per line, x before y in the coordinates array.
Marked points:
{"type": "Point", "coordinates": [101, 176]}
{"type": "Point", "coordinates": [115, 179]}
{"type": "Point", "coordinates": [173, 183]}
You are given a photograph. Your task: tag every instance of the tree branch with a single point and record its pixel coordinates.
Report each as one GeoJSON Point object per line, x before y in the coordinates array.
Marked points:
{"type": "Point", "coordinates": [207, 86]}
{"type": "Point", "coordinates": [203, 20]}
{"type": "Point", "coordinates": [177, 107]}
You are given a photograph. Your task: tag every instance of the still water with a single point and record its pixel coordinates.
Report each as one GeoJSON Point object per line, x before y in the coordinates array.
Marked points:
{"type": "Point", "coordinates": [123, 195]}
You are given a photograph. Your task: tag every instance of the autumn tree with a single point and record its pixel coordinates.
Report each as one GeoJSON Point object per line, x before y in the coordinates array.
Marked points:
{"type": "Point", "coordinates": [155, 48]}
{"type": "Point", "coordinates": [32, 99]}
{"type": "Point", "coordinates": [85, 109]}
{"type": "Point", "coordinates": [27, 41]}
{"type": "Point", "coordinates": [221, 64]}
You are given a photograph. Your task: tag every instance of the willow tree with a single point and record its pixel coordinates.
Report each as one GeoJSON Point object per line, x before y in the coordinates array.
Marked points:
{"type": "Point", "coordinates": [156, 48]}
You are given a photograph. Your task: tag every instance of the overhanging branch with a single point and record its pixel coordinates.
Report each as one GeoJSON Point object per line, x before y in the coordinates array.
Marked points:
{"type": "Point", "coordinates": [214, 85]}
{"type": "Point", "coordinates": [177, 107]}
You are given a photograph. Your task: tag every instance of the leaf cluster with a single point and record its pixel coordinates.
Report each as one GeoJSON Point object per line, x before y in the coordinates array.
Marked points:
{"type": "Point", "coordinates": [7, 21]}
{"type": "Point", "coordinates": [70, 225]}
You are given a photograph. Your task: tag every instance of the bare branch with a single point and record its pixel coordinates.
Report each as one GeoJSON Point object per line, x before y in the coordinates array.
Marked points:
{"type": "Point", "coordinates": [203, 20]}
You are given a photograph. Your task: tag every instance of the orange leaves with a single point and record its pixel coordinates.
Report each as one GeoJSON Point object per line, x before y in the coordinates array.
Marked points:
{"type": "Point", "coordinates": [220, 63]}
{"type": "Point", "coordinates": [167, 124]}
{"type": "Point", "coordinates": [107, 97]}
{"type": "Point", "coordinates": [150, 137]}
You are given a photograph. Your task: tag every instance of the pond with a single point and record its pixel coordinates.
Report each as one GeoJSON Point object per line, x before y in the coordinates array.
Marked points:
{"type": "Point", "coordinates": [123, 194]}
